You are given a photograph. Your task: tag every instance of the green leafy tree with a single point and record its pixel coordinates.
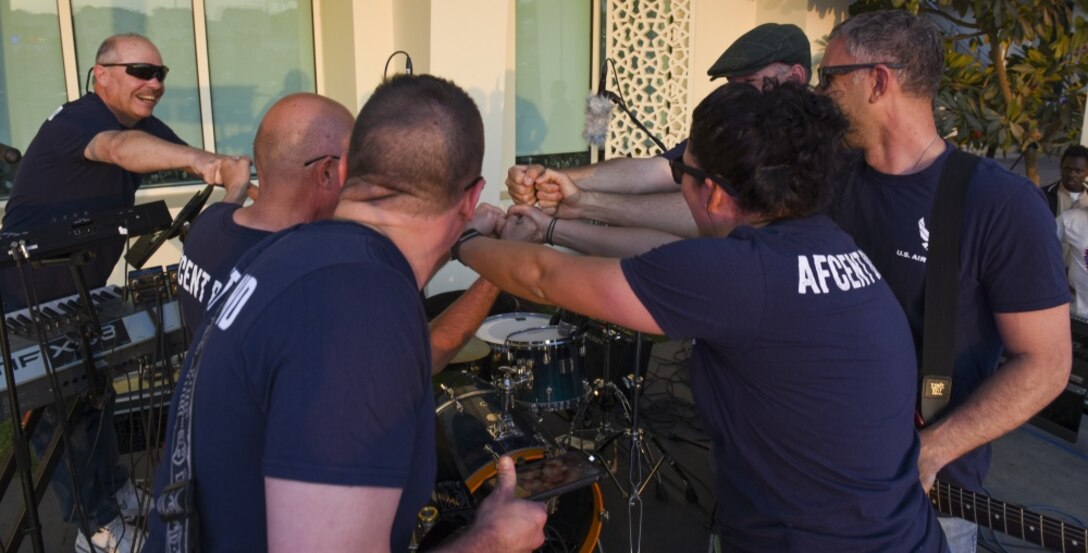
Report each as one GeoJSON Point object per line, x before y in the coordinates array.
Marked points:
{"type": "Point", "coordinates": [1016, 72]}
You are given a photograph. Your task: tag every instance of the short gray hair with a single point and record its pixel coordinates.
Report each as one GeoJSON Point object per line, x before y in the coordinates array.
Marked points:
{"type": "Point", "coordinates": [108, 46]}
{"type": "Point", "coordinates": [897, 36]}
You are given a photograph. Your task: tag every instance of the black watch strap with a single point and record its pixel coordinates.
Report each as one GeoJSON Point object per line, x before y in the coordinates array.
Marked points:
{"type": "Point", "coordinates": [465, 237]}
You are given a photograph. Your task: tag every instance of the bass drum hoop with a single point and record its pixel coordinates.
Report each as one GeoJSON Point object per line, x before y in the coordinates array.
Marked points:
{"type": "Point", "coordinates": [477, 479]}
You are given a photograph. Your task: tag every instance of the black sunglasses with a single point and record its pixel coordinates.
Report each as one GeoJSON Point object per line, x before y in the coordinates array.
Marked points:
{"type": "Point", "coordinates": [142, 71]}
{"type": "Point", "coordinates": [319, 158]}
{"type": "Point", "coordinates": [679, 168]}
{"type": "Point", "coordinates": [825, 73]}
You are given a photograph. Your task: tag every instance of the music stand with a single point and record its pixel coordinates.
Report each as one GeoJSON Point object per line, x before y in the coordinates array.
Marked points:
{"type": "Point", "coordinates": [148, 244]}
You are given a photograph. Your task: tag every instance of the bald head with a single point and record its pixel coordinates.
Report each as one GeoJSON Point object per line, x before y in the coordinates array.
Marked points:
{"type": "Point", "coordinates": [111, 49]}
{"type": "Point", "coordinates": [299, 128]}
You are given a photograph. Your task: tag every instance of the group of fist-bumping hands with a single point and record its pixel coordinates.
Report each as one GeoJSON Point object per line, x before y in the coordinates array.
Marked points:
{"type": "Point", "coordinates": [540, 195]}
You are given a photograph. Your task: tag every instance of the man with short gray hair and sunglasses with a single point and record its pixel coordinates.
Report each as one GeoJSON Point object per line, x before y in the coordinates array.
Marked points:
{"type": "Point", "coordinates": [88, 157]}
{"type": "Point", "coordinates": [883, 70]}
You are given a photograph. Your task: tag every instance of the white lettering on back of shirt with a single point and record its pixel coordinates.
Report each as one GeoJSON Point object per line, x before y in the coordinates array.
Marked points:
{"type": "Point", "coordinates": [236, 302]}
{"type": "Point", "coordinates": [849, 271]}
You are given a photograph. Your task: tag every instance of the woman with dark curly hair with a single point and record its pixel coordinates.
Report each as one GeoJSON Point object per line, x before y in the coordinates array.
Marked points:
{"type": "Point", "coordinates": [803, 367]}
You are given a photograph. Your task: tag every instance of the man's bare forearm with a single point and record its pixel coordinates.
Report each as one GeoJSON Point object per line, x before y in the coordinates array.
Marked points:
{"type": "Point", "coordinates": [665, 212]}
{"type": "Point", "coordinates": [605, 241]}
{"type": "Point", "coordinates": [1018, 390]}
{"type": "Point", "coordinates": [140, 152]}
{"type": "Point", "coordinates": [624, 175]}
{"type": "Point", "coordinates": [456, 325]}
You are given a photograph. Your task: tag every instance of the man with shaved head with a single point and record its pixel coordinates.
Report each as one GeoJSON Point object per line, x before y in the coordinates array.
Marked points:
{"type": "Point", "coordinates": [304, 417]}
{"type": "Point", "coordinates": [297, 151]}
{"type": "Point", "coordinates": [89, 156]}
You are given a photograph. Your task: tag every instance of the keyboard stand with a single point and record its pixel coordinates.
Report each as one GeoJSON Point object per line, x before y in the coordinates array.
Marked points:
{"type": "Point", "coordinates": [44, 473]}
{"type": "Point", "coordinates": [60, 441]}
{"type": "Point", "coordinates": [20, 444]}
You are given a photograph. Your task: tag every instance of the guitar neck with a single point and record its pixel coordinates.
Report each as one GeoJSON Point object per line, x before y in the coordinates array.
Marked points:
{"type": "Point", "coordinates": [1010, 519]}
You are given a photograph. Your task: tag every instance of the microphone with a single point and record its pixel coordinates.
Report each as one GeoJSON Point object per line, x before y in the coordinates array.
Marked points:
{"type": "Point", "coordinates": [598, 112]}
{"type": "Point", "coordinates": [9, 154]}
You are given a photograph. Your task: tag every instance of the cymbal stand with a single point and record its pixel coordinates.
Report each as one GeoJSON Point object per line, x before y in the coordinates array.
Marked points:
{"type": "Point", "coordinates": [606, 393]}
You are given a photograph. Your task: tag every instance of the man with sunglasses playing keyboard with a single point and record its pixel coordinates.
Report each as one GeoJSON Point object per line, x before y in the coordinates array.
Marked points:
{"type": "Point", "coordinates": [88, 157]}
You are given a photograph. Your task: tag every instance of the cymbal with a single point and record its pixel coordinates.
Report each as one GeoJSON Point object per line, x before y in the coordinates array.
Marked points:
{"type": "Point", "coordinates": [474, 350]}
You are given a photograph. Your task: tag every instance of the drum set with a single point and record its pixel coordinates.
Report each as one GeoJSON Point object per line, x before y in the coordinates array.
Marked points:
{"type": "Point", "coordinates": [492, 400]}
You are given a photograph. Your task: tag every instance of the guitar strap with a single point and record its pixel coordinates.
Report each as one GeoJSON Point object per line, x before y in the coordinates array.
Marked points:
{"type": "Point", "coordinates": [942, 284]}
{"type": "Point", "coordinates": [176, 503]}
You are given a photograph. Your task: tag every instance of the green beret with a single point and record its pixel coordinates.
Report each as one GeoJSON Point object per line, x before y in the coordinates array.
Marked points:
{"type": "Point", "coordinates": [762, 46]}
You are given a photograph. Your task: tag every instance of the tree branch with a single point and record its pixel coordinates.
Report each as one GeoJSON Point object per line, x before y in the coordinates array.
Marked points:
{"type": "Point", "coordinates": [966, 36]}
{"type": "Point", "coordinates": [997, 59]}
{"type": "Point", "coordinates": [957, 21]}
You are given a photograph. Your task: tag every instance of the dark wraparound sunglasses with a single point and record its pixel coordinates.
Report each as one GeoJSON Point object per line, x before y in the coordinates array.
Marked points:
{"type": "Point", "coordinates": [142, 71]}
{"type": "Point", "coordinates": [824, 74]}
{"type": "Point", "coordinates": [679, 168]}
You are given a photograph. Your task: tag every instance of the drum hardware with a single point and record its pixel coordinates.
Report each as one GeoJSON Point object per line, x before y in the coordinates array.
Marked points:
{"type": "Point", "coordinates": [606, 394]}
{"type": "Point", "coordinates": [424, 522]}
{"type": "Point", "coordinates": [551, 355]}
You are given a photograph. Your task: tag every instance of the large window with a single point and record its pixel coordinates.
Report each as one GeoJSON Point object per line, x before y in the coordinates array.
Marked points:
{"type": "Point", "coordinates": [31, 74]}
{"type": "Point", "coordinates": [254, 53]}
{"type": "Point", "coordinates": [257, 52]}
{"type": "Point", "coordinates": [553, 69]}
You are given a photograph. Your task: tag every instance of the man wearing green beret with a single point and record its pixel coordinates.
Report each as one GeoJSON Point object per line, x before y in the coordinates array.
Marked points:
{"type": "Point", "coordinates": [639, 195]}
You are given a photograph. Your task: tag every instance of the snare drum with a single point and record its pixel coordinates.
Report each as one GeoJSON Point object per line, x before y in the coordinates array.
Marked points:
{"type": "Point", "coordinates": [526, 340]}
{"type": "Point", "coordinates": [496, 328]}
{"type": "Point", "coordinates": [472, 432]}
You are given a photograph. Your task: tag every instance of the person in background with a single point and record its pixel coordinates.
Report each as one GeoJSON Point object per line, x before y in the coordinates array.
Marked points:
{"type": "Point", "coordinates": [1073, 234]}
{"type": "Point", "coordinates": [1063, 193]}
{"type": "Point", "coordinates": [1062, 196]}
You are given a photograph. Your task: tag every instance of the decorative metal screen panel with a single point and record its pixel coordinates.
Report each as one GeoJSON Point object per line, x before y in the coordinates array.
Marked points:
{"type": "Point", "coordinates": [650, 41]}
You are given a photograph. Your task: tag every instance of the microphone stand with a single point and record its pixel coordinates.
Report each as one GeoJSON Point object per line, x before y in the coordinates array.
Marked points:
{"type": "Point", "coordinates": [616, 99]}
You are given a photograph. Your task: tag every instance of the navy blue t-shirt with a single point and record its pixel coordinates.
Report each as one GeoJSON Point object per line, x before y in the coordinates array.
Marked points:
{"type": "Point", "coordinates": [803, 375]}
{"type": "Point", "coordinates": [55, 181]}
{"type": "Point", "coordinates": [215, 243]}
{"type": "Point", "coordinates": [1010, 261]}
{"type": "Point", "coordinates": [315, 369]}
